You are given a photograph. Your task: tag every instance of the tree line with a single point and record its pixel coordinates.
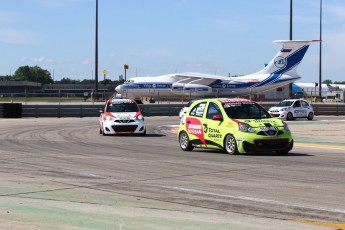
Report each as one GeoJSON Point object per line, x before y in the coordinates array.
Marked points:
{"type": "Point", "coordinates": [43, 76]}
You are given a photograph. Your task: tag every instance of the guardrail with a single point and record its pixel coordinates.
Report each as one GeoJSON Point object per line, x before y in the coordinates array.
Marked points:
{"type": "Point", "coordinates": [82, 110]}
{"type": "Point", "coordinates": [17, 110]}
{"type": "Point", "coordinates": [329, 109]}
{"type": "Point", "coordinates": [10, 110]}
{"type": "Point", "coordinates": [61, 110]}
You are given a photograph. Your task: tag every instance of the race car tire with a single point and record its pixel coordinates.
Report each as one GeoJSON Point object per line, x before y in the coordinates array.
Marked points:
{"type": "Point", "coordinates": [289, 117]}
{"type": "Point", "coordinates": [230, 145]}
{"type": "Point", "coordinates": [101, 131]}
{"type": "Point", "coordinates": [184, 142]}
{"type": "Point", "coordinates": [144, 133]}
{"type": "Point", "coordinates": [310, 116]}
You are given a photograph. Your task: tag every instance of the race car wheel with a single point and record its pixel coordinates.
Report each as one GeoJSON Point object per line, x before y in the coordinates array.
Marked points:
{"type": "Point", "coordinates": [230, 145]}
{"type": "Point", "coordinates": [184, 142]}
{"type": "Point", "coordinates": [101, 131]}
{"type": "Point", "coordinates": [310, 116]}
{"type": "Point", "coordinates": [144, 133]}
{"type": "Point", "coordinates": [289, 117]}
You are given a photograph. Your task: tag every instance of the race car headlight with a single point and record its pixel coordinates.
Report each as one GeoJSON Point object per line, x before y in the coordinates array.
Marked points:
{"type": "Point", "coordinates": [109, 118]}
{"type": "Point", "coordinates": [140, 117]}
{"type": "Point", "coordinates": [283, 109]}
{"type": "Point", "coordinates": [245, 128]}
{"type": "Point", "coordinates": [286, 127]}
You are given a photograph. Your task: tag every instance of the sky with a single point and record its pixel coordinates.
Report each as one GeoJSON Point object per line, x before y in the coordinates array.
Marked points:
{"type": "Point", "coordinates": [155, 37]}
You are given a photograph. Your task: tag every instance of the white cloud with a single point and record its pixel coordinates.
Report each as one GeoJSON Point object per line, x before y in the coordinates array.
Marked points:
{"type": "Point", "coordinates": [58, 3]}
{"type": "Point", "coordinates": [334, 47]}
{"type": "Point", "coordinates": [305, 19]}
{"type": "Point", "coordinates": [337, 11]}
{"type": "Point", "coordinates": [40, 59]}
{"type": "Point", "coordinates": [86, 62]}
{"type": "Point", "coordinates": [180, 3]}
{"type": "Point", "coordinates": [18, 36]}
{"type": "Point", "coordinates": [8, 17]}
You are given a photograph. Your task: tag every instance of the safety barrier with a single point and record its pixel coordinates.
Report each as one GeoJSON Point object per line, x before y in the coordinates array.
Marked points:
{"type": "Point", "coordinates": [10, 110]}
{"type": "Point", "coordinates": [92, 110]}
{"type": "Point", "coordinates": [82, 110]}
{"type": "Point", "coordinates": [61, 110]}
{"type": "Point", "coordinates": [330, 109]}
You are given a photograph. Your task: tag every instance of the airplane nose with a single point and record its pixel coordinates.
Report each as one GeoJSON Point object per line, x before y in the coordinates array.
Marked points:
{"type": "Point", "coordinates": [118, 88]}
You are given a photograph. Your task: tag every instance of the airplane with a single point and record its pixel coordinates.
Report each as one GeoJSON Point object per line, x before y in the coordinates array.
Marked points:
{"type": "Point", "coordinates": [280, 71]}
{"type": "Point", "coordinates": [311, 89]}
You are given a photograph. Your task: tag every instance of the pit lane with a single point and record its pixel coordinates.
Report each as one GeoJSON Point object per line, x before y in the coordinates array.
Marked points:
{"type": "Point", "coordinates": [62, 172]}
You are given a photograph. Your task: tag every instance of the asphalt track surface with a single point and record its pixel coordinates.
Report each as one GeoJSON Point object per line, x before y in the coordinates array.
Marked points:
{"type": "Point", "coordinates": [62, 174]}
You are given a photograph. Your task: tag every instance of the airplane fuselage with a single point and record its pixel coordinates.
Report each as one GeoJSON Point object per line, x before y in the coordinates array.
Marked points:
{"type": "Point", "coordinates": [169, 86]}
{"type": "Point", "coordinates": [280, 71]}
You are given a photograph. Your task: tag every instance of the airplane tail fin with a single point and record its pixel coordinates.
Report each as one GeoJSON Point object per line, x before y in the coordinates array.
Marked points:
{"type": "Point", "coordinates": [288, 58]}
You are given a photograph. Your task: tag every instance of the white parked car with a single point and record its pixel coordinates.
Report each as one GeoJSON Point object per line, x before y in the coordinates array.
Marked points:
{"type": "Point", "coordinates": [292, 109]}
{"type": "Point", "coordinates": [121, 116]}
{"type": "Point", "coordinates": [184, 109]}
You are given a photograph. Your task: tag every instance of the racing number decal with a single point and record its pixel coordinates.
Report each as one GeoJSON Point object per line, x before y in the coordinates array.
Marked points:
{"type": "Point", "coordinates": [195, 128]}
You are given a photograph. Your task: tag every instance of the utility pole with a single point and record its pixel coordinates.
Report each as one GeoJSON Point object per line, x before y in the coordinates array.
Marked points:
{"type": "Point", "coordinates": [290, 19]}
{"type": "Point", "coordinates": [290, 85]}
{"type": "Point", "coordinates": [96, 54]}
{"type": "Point", "coordinates": [320, 57]}
{"type": "Point", "coordinates": [125, 67]}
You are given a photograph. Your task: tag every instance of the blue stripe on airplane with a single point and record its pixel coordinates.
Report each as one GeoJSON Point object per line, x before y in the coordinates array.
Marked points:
{"type": "Point", "coordinates": [293, 60]}
{"type": "Point", "coordinates": [147, 86]}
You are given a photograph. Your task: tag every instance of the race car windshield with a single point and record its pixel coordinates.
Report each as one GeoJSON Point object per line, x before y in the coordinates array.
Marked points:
{"type": "Point", "coordinates": [122, 107]}
{"type": "Point", "coordinates": [284, 104]}
{"type": "Point", "coordinates": [245, 111]}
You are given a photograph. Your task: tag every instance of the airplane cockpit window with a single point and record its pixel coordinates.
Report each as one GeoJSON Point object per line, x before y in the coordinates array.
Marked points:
{"type": "Point", "coordinates": [129, 81]}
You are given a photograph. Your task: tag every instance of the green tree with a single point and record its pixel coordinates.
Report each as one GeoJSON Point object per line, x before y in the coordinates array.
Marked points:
{"type": "Point", "coordinates": [66, 80]}
{"type": "Point", "coordinates": [327, 82]}
{"type": "Point", "coordinates": [35, 74]}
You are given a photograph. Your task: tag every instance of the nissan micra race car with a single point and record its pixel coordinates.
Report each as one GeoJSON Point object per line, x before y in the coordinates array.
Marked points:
{"type": "Point", "coordinates": [121, 116]}
{"type": "Point", "coordinates": [292, 109]}
{"type": "Point", "coordinates": [234, 125]}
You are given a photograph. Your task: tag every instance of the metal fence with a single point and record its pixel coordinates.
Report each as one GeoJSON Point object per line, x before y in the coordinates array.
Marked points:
{"type": "Point", "coordinates": [17, 110]}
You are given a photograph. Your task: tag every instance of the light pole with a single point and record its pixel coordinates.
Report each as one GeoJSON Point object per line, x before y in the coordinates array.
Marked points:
{"type": "Point", "coordinates": [96, 53]}
{"type": "Point", "coordinates": [104, 72]}
{"type": "Point", "coordinates": [320, 57]}
{"type": "Point", "coordinates": [290, 85]}
{"type": "Point", "coordinates": [290, 19]}
{"type": "Point", "coordinates": [125, 67]}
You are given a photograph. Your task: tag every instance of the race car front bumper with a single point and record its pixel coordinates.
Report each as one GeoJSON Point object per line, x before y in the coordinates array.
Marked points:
{"type": "Point", "coordinates": [124, 127]}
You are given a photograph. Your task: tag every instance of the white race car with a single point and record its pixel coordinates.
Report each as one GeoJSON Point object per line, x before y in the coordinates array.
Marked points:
{"type": "Point", "coordinates": [121, 116]}
{"type": "Point", "coordinates": [292, 109]}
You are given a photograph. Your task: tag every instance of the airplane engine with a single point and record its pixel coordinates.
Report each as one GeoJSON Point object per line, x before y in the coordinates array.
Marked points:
{"type": "Point", "coordinates": [177, 87]}
{"type": "Point", "coordinates": [191, 89]}
{"type": "Point", "coordinates": [196, 88]}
